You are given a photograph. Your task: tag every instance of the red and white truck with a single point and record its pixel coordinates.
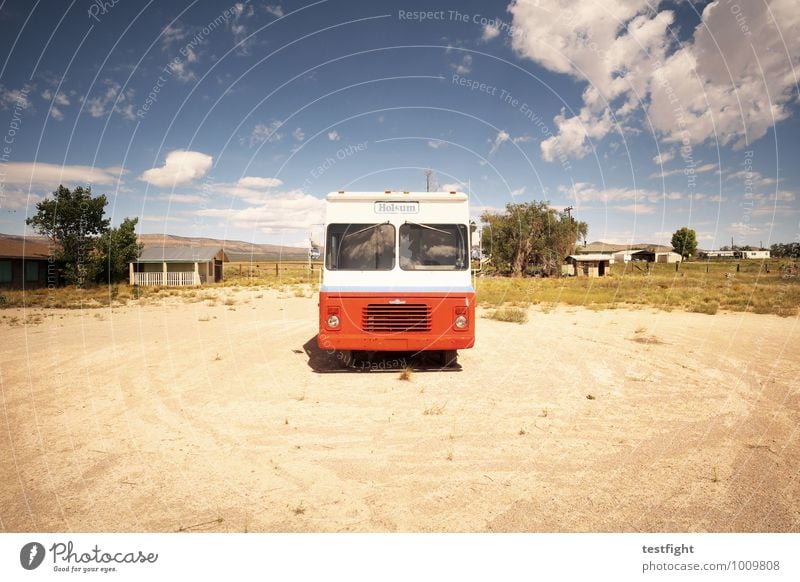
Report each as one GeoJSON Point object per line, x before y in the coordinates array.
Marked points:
{"type": "Point", "coordinates": [397, 274]}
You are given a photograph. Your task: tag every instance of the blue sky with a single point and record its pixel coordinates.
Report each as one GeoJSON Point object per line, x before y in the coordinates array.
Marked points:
{"type": "Point", "coordinates": [233, 120]}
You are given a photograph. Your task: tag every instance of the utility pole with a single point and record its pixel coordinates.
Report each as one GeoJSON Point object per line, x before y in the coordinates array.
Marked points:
{"type": "Point", "coordinates": [430, 180]}
{"type": "Point", "coordinates": [310, 246]}
{"type": "Point", "coordinates": [569, 210]}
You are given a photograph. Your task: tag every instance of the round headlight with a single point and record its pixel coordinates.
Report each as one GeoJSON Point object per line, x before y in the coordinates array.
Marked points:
{"type": "Point", "coordinates": [333, 320]}
{"type": "Point", "coordinates": [461, 321]}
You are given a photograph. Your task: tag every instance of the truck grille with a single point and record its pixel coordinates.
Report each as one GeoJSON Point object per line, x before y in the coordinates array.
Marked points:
{"type": "Point", "coordinates": [385, 318]}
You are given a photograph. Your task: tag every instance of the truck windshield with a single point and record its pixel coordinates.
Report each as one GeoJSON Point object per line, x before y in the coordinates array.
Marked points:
{"type": "Point", "coordinates": [360, 247]}
{"type": "Point", "coordinates": [433, 247]}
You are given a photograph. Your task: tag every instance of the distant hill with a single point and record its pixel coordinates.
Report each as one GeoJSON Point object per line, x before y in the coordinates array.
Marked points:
{"type": "Point", "coordinates": [20, 238]}
{"type": "Point", "coordinates": [236, 250]}
{"type": "Point", "coordinates": [602, 247]}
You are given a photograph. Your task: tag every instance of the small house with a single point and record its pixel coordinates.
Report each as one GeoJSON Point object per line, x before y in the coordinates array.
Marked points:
{"type": "Point", "coordinates": [668, 257]}
{"type": "Point", "coordinates": [717, 254]}
{"type": "Point", "coordinates": [757, 254]}
{"type": "Point", "coordinates": [24, 264]}
{"type": "Point", "coordinates": [177, 266]}
{"type": "Point", "coordinates": [589, 265]}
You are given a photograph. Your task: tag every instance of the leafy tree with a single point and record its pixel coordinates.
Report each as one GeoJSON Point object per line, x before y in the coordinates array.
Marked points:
{"type": "Point", "coordinates": [530, 234]}
{"type": "Point", "coordinates": [115, 249]}
{"type": "Point", "coordinates": [684, 241]}
{"type": "Point", "coordinates": [72, 220]}
{"type": "Point", "coordinates": [785, 250]}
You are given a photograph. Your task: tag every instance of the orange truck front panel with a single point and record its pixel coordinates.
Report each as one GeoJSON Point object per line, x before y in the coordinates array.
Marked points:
{"type": "Point", "coordinates": [396, 321]}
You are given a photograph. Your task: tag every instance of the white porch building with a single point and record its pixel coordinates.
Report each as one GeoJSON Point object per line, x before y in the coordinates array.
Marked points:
{"type": "Point", "coordinates": [177, 266]}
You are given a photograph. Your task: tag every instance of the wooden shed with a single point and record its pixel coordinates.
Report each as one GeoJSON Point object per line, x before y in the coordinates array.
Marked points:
{"type": "Point", "coordinates": [177, 266]}
{"type": "Point", "coordinates": [589, 265]}
{"type": "Point", "coordinates": [24, 264]}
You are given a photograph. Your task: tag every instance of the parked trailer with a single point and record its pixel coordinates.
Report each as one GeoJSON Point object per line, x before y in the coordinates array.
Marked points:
{"type": "Point", "coordinates": [397, 274]}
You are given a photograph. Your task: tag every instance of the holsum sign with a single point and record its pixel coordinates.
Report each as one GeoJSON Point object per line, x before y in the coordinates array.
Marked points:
{"type": "Point", "coordinates": [396, 207]}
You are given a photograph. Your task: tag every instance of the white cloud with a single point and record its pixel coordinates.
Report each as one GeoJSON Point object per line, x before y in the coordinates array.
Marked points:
{"type": "Point", "coordinates": [113, 99]}
{"type": "Point", "coordinates": [17, 199]}
{"type": "Point", "coordinates": [465, 66]}
{"type": "Point", "coordinates": [435, 143]}
{"type": "Point", "coordinates": [186, 55]}
{"type": "Point", "coordinates": [241, 12]}
{"type": "Point", "coordinates": [501, 137]}
{"type": "Point", "coordinates": [724, 83]}
{"type": "Point", "coordinates": [262, 133]}
{"type": "Point", "coordinates": [731, 86]}
{"type": "Point", "coordinates": [582, 192]}
{"type": "Point", "coordinates": [179, 67]}
{"type": "Point", "coordinates": [745, 229]}
{"type": "Point", "coordinates": [160, 219]}
{"type": "Point", "coordinates": [452, 187]}
{"type": "Point", "coordinates": [55, 113]}
{"type": "Point", "coordinates": [333, 135]}
{"type": "Point", "coordinates": [573, 134]}
{"type": "Point", "coordinates": [180, 167]}
{"type": "Point", "coordinates": [58, 99]}
{"type": "Point", "coordinates": [274, 10]}
{"type": "Point", "coordinates": [636, 209]}
{"type": "Point", "coordinates": [299, 134]}
{"type": "Point", "coordinates": [51, 175]}
{"type": "Point", "coordinates": [256, 182]}
{"type": "Point", "coordinates": [490, 31]}
{"type": "Point", "coordinates": [251, 189]}
{"type": "Point", "coordinates": [755, 178]}
{"type": "Point", "coordinates": [522, 139]}
{"type": "Point", "coordinates": [182, 198]}
{"type": "Point", "coordinates": [172, 34]}
{"type": "Point", "coordinates": [664, 157]}
{"type": "Point", "coordinates": [685, 171]}
{"type": "Point", "coordinates": [293, 210]}
{"type": "Point", "coordinates": [518, 192]}
{"type": "Point", "coordinates": [776, 210]}
{"type": "Point", "coordinates": [766, 204]}
{"type": "Point", "coordinates": [10, 98]}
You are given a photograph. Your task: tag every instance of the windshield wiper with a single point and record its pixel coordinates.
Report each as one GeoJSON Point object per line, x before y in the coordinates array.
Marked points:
{"type": "Point", "coordinates": [429, 227]}
{"type": "Point", "coordinates": [366, 228]}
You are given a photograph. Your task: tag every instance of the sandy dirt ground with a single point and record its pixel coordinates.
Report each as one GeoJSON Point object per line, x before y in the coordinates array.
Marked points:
{"type": "Point", "coordinates": [179, 416]}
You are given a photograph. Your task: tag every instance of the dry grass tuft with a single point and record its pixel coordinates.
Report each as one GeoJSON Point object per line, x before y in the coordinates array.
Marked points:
{"type": "Point", "coordinates": [509, 314]}
{"type": "Point", "coordinates": [434, 410]}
